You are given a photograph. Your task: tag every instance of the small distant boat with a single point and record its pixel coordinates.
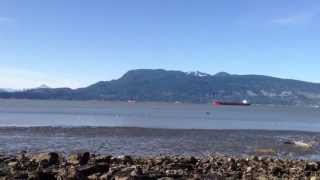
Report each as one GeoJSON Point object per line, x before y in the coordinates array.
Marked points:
{"type": "Point", "coordinates": [224, 103]}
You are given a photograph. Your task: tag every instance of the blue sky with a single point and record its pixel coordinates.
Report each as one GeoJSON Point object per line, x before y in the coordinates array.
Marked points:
{"type": "Point", "coordinates": [77, 42]}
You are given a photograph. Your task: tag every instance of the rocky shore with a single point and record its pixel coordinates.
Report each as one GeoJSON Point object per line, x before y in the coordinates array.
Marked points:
{"type": "Point", "coordinates": [92, 166]}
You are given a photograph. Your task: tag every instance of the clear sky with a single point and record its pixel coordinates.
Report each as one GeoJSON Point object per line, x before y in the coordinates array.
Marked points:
{"type": "Point", "coordinates": [78, 42]}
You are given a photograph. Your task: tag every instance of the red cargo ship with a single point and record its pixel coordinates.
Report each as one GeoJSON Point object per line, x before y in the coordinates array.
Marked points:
{"type": "Point", "coordinates": [223, 103]}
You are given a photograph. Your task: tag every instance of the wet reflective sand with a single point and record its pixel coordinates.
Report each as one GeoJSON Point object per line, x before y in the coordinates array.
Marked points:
{"type": "Point", "coordinates": [143, 142]}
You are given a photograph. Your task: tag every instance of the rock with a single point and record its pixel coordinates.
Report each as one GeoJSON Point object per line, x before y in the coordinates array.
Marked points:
{"type": "Point", "coordinates": [53, 158]}
{"type": "Point", "coordinates": [254, 158]}
{"type": "Point", "coordinates": [116, 169]}
{"type": "Point", "coordinates": [180, 165]}
{"type": "Point", "coordinates": [47, 175]}
{"type": "Point", "coordinates": [90, 169]}
{"type": "Point", "coordinates": [83, 158]}
{"type": "Point", "coordinates": [232, 164]}
{"type": "Point", "coordinates": [33, 176]}
{"type": "Point", "coordinates": [85, 171]}
{"type": "Point", "coordinates": [47, 159]}
{"type": "Point", "coordinates": [293, 170]}
{"type": "Point", "coordinates": [166, 178]}
{"type": "Point", "coordinates": [175, 173]}
{"type": "Point", "coordinates": [262, 178]}
{"type": "Point", "coordinates": [13, 165]}
{"type": "Point", "coordinates": [196, 177]}
{"type": "Point", "coordinates": [312, 166]}
{"type": "Point", "coordinates": [127, 171]}
{"type": "Point", "coordinates": [71, 172]}
{"type": "Point", "coordinates": [21, 175]}
{"type": "Point", "coordinates": [73, 159]}
{"type": "Point", "coordinates": [190, 160]}
{"type": "Point", "coordinates": [102, 167]}
{"type": "Point", "coordinates": [137, 171]}
{"type": "Point", "coordinates": [249, 169]}
{"type": "Point", "coordinates": [122, 178]}
{"type": "Point", "coordinates": [4, 172]}
{"type": "Point", "coordinates": [105, 177]}
{"type": "Point", "coordinates": [164, 167]}
{"type": "Point", "coordinates": [315, 178]}
{"type": "Point", "coordinates": [93, 177]}
{"type": "Point", "coordinates": [277, 171]}
{"type": "Point", "coordinates": [126, 159]}
{"type": "Point", "coordinates": [103, 159]}
{"type": "Point", "coordinates": [22, 157]}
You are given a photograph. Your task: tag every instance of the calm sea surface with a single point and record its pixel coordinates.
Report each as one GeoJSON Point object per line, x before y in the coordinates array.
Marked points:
{"type": "Point", "coordinates": [156, 128]}
{"type": "Point", "coordinates": [28, 113]}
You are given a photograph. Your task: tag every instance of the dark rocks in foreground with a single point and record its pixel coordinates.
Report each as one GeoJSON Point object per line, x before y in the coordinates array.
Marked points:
{"type": "Point", "coordinates": [93, 167]}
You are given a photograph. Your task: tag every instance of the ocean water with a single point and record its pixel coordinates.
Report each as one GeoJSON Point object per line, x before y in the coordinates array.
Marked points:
{"type": "Point", "coordinates": [156, 128]}
{"type": "Point", "coordinates": [29, 113]}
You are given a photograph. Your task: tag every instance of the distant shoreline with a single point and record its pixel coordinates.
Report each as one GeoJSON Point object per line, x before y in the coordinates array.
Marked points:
{"type": "Point", "coordinates": [147, 102]}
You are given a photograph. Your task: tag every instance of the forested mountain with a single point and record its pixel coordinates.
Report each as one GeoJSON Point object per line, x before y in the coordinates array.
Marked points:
{"type": "Point", "coordinates": [195, 87]}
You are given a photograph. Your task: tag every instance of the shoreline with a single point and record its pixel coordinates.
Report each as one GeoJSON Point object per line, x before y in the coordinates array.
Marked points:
{"type": "Point", "coordinates": [149, 102]}
{"type": "Point", "coordinates": [152, 141]}
{"type": "Point", "coordinates": [84, 165]}
{"type": "Point", "coordinates": [13, 128]}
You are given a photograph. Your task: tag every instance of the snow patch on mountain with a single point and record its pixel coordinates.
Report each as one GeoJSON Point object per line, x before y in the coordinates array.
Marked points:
{"type": "Point", "coordinates": [198, 74]}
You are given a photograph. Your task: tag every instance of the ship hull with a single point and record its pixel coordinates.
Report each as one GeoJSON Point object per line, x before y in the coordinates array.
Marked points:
{"type": "Point", "coordinates": [220, 103]}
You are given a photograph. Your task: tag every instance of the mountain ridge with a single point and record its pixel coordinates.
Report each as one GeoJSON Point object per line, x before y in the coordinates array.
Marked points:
{"type": "Point", "coordinates": [194, 87]}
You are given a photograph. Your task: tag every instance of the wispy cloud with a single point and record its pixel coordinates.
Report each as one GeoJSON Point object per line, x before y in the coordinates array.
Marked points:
{"type": "Point", "coordinates": [302, 18]}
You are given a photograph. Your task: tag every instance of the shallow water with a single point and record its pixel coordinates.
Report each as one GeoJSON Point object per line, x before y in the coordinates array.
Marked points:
{"type": "Point", "coordinates": [142, 142]}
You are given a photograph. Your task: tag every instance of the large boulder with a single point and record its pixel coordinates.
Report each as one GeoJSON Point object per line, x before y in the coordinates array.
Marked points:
{"type": "Point", "coordinates": [81, 158]}
{"type": "Point", "coordinates": [90, 169]}
{"type": "Point", "coordinates": [47, 159]}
